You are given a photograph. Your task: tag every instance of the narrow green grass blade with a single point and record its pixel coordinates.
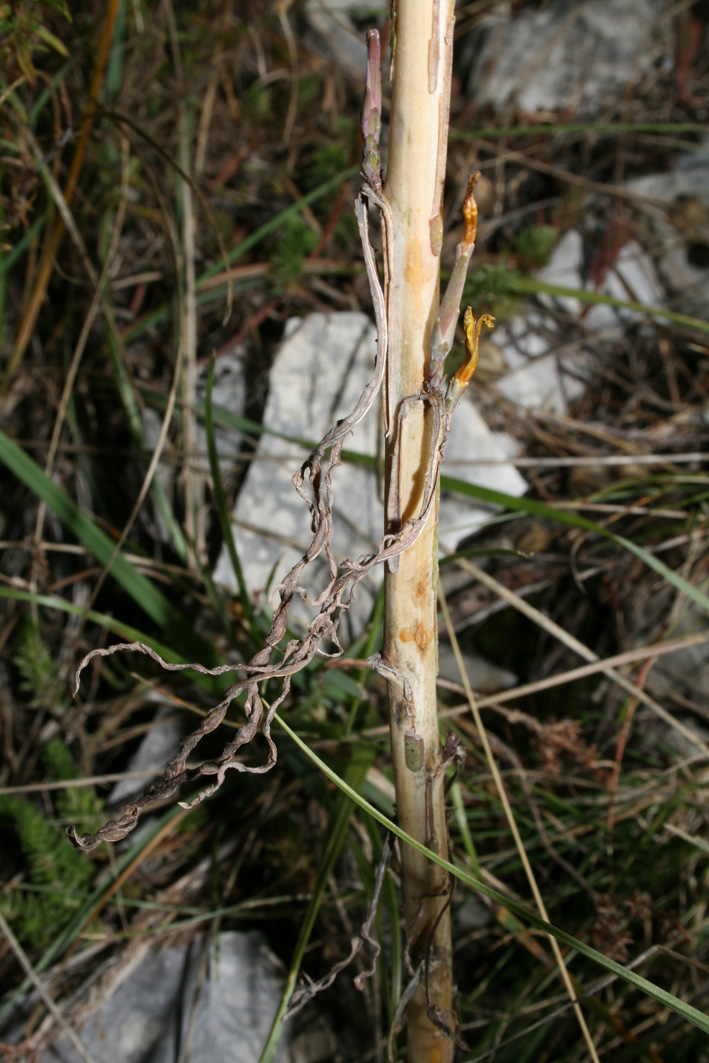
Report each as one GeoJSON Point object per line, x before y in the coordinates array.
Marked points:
{"type": "Point", "coordinates": [355, 774]}
{"type": "Point", "coordinates": [220, 498]}
{"type": "Point", "coordinates": [143, 592]}
{"type": "Point", "coordinates": [151, 319]}
{"type": "Point", "coordinates": [7, 261]}
{"type": "Point", "coordinates": [456, 798]}
{"type": "Point", "coordinates": [277, 221]}
{"type": "Point", "coordinates": [540, 509]}
{"type": "Point", "coordinates": [214, 684]}
{"type": "Point", "coordinates": [680, 1007]}
{"type": "Point", "coordinates": [113, 83]}
{"type": "Point", "coordinates": [532, 286]}
{"type": "Point", "coordinates": [159, 314]}
{"type": "Point", "coordinates": [49, 90]}
{"type": "Point", "coordinates": [132, 411]}
{"type": "Point", "coordinates": [392, 980]}
{"type": "Point", "coordinates": [126, 632]}
{"type": "Point", "coordinates": [490, 496]}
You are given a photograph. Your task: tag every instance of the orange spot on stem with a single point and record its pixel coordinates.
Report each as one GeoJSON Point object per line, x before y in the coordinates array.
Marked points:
{"type": "Point", "coordinates": [421, 636]}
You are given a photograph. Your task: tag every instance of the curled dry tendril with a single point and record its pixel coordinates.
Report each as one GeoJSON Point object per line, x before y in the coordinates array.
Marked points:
{"type": "Point", "coordinates": [334, 601]}
{"type": "Point", "coordinates": [313, 482]}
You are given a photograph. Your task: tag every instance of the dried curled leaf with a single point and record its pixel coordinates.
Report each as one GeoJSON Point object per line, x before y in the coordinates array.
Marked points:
{"type": "Point", "coordinates": [313, 482]}
{"type": "Point", "coordinates": [333, 603]}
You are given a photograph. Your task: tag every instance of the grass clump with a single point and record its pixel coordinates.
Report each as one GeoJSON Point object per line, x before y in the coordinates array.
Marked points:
{"type": "Point", "coordinates": [41, 676]}
{"type": "Point", "coordinates": [25, 35]}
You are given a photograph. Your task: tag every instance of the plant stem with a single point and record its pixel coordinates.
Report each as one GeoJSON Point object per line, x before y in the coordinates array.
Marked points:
{"type": "Point", "coordinates": [416, 167]}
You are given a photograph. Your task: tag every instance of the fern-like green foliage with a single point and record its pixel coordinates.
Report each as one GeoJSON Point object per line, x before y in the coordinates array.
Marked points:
{"type": "Point", "coordinates": [38, 668]}
{"type": "Point", "coordinates": [334, 156]}
{"type": "Point", "coordinates": [76, 804]}
{"type": "Point", "coordinates": [492, 289]}
{"type": "Point", "coordinates": [295, 242]}
{"type": "Point", "coordinates": [535, 245]}
{"type": "Point", "coordinates": [50, 862]}
{"type": "Point", "coordinates": [53, 869]}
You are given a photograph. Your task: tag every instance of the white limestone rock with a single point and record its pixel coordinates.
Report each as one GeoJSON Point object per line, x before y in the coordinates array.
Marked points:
{"type": "Point", "coordinates": [566, 54]}
{"type": "Point", "coordinates": [163, 998]}
{"type": "Point", "coordinates": [317, 376]}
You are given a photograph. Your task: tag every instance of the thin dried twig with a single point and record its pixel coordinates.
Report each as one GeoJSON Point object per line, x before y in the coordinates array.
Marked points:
{"type": "Point", "coordinates": [642, 653]}
{"type": "Point", "coordinates": [556, 631]}
{"type": "Point", "coordinates": [531, 878]}
{"type": "Point", "coordinates": [311, 989]}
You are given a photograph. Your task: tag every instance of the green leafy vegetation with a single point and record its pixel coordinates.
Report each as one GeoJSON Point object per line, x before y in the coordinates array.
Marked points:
{"type": "Point", "coordinates": [295, 242]}
{"type": "Point", "coordinates": [39, 670]}
{"type": "Point", "coordinates": [535, 245]}
{"type": "Point", "coordinates": [53, 875]}
{"type": "Point", "coordinates": [493, 289]}
{"type": "Point", "coordinates": [25, 35]}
